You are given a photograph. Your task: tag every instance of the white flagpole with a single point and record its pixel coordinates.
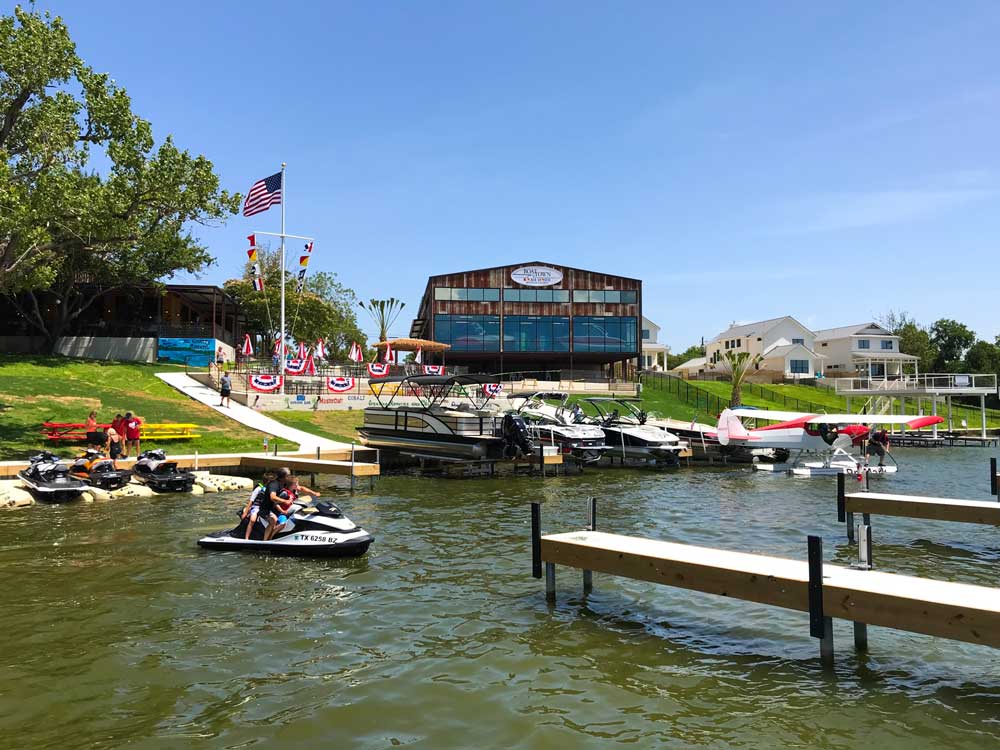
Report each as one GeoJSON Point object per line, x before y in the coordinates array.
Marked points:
{"type": "Point", "coordinates": [281, 344]}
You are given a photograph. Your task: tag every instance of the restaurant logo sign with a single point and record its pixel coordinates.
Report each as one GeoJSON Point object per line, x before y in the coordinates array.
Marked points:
{"type": "Point", "coordinates": [536, 276]}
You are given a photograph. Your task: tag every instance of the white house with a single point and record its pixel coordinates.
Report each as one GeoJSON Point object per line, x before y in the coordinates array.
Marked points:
{"type": "Point", "coordinates": [866, 348]}
{"type": "Point", "coordinates": [654, 354]}
{"type": "Point", "coordinates": [786, 346]}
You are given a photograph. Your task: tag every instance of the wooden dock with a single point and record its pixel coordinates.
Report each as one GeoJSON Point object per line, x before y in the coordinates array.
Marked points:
{"type": "Point", "coordinates": [948, 610]}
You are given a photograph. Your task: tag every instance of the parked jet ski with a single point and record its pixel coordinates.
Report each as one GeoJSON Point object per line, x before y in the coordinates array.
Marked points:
{"type": "Point", "coordinates": [319, 530]}
{"type": "Point", "coordinates": [48, 479]}
{"type": "Point", "coordinates": [154, 470]}
{"type": "Point", "coordinates": [96, 469]}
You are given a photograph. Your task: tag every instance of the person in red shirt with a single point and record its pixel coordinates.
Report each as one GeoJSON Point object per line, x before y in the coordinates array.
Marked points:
{"type": "Point", "coordinates": [131, 434]}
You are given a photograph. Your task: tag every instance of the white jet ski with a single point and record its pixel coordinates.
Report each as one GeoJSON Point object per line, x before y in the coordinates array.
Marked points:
{"type": "Point", "coordinates": [320, 530]}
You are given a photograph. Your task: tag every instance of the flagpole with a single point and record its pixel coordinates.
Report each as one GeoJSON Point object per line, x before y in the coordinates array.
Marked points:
{"type": "Point", "coordinates": [281, 344]}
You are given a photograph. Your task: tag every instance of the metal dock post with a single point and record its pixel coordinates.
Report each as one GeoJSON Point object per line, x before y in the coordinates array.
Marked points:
{"type": "Point", "coordinates": [820, 626]}
{"type": "Point", "coordinates": [588, 575]}
{"type": "Point", "coordinates": [536, 540]}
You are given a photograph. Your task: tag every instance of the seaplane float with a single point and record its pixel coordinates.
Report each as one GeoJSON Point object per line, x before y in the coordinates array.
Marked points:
{"type": "Point", "coordinates": [819, 444]}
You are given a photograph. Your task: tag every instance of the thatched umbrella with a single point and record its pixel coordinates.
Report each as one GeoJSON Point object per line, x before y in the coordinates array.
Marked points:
{"type": "Point", "coordinates": [411, 345]}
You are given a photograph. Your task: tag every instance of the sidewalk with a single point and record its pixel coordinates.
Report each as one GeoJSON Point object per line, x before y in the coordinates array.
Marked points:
{"type": "Point", "coordinates": [247, 416]}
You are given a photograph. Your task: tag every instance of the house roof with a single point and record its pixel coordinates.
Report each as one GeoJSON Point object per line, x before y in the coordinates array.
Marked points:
{"type": "Point", "coordinates": [786, 349]}
{"type": "Point", "coordinates": [692, 364]}
{"type": "Point", "coordinates": [826, 334]}
{"type": "Point", "coordinates": [884, 356]}
{"type": "Point", "coordinates": [761, 327]}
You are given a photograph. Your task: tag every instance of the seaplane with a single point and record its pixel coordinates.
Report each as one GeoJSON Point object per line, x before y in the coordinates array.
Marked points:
{"type": "Point", "coordinates": [828, 437]}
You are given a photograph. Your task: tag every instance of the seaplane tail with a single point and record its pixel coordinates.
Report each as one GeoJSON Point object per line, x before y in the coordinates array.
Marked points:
{"type": "Point", "coordinates": [730, 428]}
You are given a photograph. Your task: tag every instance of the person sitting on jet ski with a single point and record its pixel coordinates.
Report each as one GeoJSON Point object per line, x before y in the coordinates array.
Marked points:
{"type": "Point", "coordinates": [252, 508]}
{"type": "Point", "coordinates": [288, 496]}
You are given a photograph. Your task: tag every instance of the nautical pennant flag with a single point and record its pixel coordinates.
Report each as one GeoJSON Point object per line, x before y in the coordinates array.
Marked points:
{"type": "Point", "coordinates": [252, 254]}
{"type": "Point", "coordinates": [309, 247]}
{"type": "Point", "coordinates": [255, 267]}
{"type": "Point", "coordinates": [303, 350]}
{"type": "Point", "coordinates": [258, 284]}
{"type": "Point", "coordinates": [390, 355]}
{"type": "Point", "coordinates": [247, 347]}
{"type": "Point", "coordinates": [253, 240]}
{"type": "Point", "coordinates": [303, 260]}
{"type": "Point", "coordinates": [262, 195]}
{"type": "Point", "coordinates": [355, 355]}
{"type": "Point", "coordinates": [419, 356]}
{"type": "Point", "coordinates": [320, 349]}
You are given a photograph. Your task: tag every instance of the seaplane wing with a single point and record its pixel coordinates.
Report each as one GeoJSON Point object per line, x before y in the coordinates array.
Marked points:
{"type": "Point", "coordinates": [911, 421]}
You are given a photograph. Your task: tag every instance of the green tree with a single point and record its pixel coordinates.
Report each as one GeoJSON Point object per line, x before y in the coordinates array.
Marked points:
{"type": "Point", "coordinates": [692, 352]}
{"type": "Point", "coordinates": [915, 340]}
{"type": "Point", "coordinates": [738, 365]}
{"type": "Point", "coordinates": [952, 340]}
{"type": "Point", "coordinates": [65, 223]}
{"type": "Point", "coordinates": [324, 309]}
{"type": "Point", "coordinates": [983, 357]}
{"type": "Point", "coordinates": [384, 312]}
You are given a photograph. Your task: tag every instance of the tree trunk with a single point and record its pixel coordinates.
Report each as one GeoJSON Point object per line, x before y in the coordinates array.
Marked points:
{"type": "Point", "coordinates": [736, 399]}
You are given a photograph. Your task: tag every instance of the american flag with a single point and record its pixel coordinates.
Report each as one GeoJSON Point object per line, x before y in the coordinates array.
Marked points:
{"type": "Point", "coordinates": [263, 194]}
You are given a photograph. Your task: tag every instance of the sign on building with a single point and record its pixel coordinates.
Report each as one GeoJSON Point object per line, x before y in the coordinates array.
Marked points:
{"type": "Point", "coordinates": [536, 276]}
{"type": "Point", "coordinates": [193, 352]}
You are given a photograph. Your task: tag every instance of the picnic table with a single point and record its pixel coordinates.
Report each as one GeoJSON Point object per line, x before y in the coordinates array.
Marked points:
{"type": "Point", "coordinates": [76, 432]}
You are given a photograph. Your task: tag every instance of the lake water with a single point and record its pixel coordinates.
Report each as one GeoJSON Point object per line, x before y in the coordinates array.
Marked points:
{"type": "Point", "coordinates": [121, 631]}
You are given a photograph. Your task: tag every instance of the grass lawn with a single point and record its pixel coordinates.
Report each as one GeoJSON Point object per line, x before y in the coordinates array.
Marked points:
{"type": "Point", "coordinates": [336, 425]}
{"type": "Point", "coordinates": [34, 390]}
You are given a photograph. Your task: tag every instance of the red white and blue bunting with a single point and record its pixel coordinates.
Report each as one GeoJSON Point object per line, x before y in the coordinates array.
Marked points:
{"type": "Point", "coordinates": [378, 369]}
{"type": "Point", "coordinates": [492, 390]}
{"type": "Point", "coordinates": [341, 385]}
{"type": "Point", "coordinates": [300, 367]}
{"type": "Point", "coordinates": [265, 383]}
{"type": "Point", "coordinates": [433, 369]}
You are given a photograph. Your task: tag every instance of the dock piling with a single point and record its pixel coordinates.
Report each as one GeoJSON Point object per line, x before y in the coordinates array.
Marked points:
{"type": "Point", "coordinates": [820, 626]}
{"type": "Point", "coordinates": [860, 636]}
{"type": "Point", "coordinates": [536, 540]}
{"type": "Point", "coordinates": [550, 581]}
{"type": "Point", "coordinates": [993, 475]}
{"type": "Point", "coordinates": [841, 515]}
{"type": "Point", "coordinates": [865, 546]}
{"type": "Point", "coordinates": [588, 575]}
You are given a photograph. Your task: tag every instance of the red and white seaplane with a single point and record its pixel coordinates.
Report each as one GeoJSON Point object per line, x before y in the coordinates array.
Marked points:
{"type": "Point", "coordinates": [827, 436]}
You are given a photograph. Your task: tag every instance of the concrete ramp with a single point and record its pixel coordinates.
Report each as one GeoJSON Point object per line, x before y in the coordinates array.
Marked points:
{"type": "Point", "coordinates": [247, 416]}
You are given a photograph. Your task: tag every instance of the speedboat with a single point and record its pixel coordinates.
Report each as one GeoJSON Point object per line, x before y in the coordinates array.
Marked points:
{"type": "Point", "coordinates": [48, 479]}
{"type": "Point", "coordinates": [629, 437]}
{"type": "Point", "coordinates": [550, 424]}
{"type": "Point", "coordinates": [318, 530]}
{"type": "Point", "coordinates": [154, 470]}
{"type": "Point", "coordinates": [446, 416]}
{"type": "Point", "coordinates": [97, 470]}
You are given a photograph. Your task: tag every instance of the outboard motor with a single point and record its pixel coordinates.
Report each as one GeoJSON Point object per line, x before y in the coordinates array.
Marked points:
{"type": "Point", "coordinates": [517, 442]}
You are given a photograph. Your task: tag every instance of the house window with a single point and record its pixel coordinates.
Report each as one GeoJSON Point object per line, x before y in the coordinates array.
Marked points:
{"type": "Point", "coordinates": [887, 345]}
{"type": "Point", "coordinates": [798, 366]}
{"type": "Point", "coordinates": [799, 341]}
{"type": "Point", "coordinates": [864, 344]}
{"type": "Point", "coordinates": [645, 333]}
{"type": "Point", "coordinates": [739, 343]}
{"type": "Point", "coordinates": [823, 344]}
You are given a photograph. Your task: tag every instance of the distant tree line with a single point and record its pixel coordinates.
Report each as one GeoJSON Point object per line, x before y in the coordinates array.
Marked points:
{"type": "Point", "coordinates": [944, 346]}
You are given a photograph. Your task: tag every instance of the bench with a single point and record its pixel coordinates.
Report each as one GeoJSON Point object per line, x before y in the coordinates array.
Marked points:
{"type": "Point", "coordinates": [77, 431]}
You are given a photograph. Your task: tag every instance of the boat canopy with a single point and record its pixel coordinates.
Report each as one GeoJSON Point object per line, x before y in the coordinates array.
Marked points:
{"type": "Point", "coordinates": [431, 390]}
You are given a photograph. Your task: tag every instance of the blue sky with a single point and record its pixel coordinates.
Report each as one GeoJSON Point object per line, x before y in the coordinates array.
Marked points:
{"type": "Point", "coordinates": [825, 160]}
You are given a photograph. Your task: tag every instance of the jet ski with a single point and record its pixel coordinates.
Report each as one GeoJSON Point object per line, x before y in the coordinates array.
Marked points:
{"type": "Point", "coordinates": [96, 469]}
{"type": "Point", "coordinates": [154, 470]}
{"type": "Point", "coordinates": [319, 530]}
{"type": "Point", "coordinates": [48, 479]}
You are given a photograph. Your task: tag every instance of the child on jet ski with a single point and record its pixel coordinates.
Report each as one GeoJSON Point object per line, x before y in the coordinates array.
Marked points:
{"type": "Point", "coordinates": [286, 498]}
{"type": "Point", "coordinates": [252, 508]}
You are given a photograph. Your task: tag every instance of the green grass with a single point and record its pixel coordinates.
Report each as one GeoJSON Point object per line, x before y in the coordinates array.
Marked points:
{"type": "Point", "coordinates": [335, 425]}
{"type": "Point", "coordinates": [34, 390]}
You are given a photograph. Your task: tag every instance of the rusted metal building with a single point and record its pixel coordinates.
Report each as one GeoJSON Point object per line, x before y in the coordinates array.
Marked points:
{"type": "Point", "coordinates": [535, 317]}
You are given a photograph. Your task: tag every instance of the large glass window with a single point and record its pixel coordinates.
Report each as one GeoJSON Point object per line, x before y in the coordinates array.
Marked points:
{"type": "Point", "coordinates": [461, 294]}
{"type": "Point", "coordinates": [536, 295]}
{"type": "Point", "coordinates": [864, 344]}
{"type": "Point", "coordinates": [535, 333]}
{"type": "Point", "coordinates": [886, 345]}
{"type": "Point", "coordinates": [592, 333]}
{"type": "Point", "coordinates": [604, 296]}
{"type": "Point", "coordinates": [468, 333]}
{"type": "Point", "coordinates": [798, 366]}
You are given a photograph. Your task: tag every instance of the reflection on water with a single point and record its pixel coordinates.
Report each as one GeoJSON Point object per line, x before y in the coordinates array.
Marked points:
{"type": "Point", "coordinates": [120, 630]}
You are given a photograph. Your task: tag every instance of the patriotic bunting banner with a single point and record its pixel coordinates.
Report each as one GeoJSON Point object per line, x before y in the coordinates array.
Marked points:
{"type": "Point", "coordinates": [340, 385]}
{"type": "Point", "coordinates": [247, 346]}
{"type": "Point", "coordinates": [258, 284]}
{"type": "Point", "coordinates": [378, 369]}
{"type": "Point", "coordinates": [355, 355]}
{"type": "Point", "coordinates": [295, 367]}
{"type": "Point", "coordinates": [492, 389]}
{"type": "Point", "coordinates": [320, 349]}
{"type": "Point", "coordinates": [265, 383]}
{"type": "Point", "coordinates": [433, 369]}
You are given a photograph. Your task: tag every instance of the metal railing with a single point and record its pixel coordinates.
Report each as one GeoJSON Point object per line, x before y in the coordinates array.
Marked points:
{"type": "Point", "coordinates": [928, 382]}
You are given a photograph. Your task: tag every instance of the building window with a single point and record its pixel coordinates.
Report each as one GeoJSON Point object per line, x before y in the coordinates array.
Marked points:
{"type": "Point", "coordinates": [468, 333]}
{"type": "Point", "coordinates": [461, 294]}
{"type": "Point", "coordinates": [536, 295]}
{"type": "Point", "coordinates": [606, 297]}
{"type": "Point", "coordinates": [887, 345]}
{"type": "Point", "coordinates": [864, 344]}
{"type": "Point", "coordinates": [535, 333]}
{"type": "Point", "coordinates": [592, 333]}
{"type": "Point", "coordinates": [798, 366]}
{"type": "Point", "coordinates": [823, 344]}
{"type": "Point", "coordinates": [799, 341]}
{"type": "Point", "coordinates": [739, 343]}
{"type": "Point", "coordinates": [645, 334]}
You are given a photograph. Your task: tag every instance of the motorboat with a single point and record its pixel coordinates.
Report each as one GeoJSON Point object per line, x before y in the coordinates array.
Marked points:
{"type": "Point", "coordinates": [317, 530]}
{"type": "Point", "coordinates": [627, 434]}
{"type": "Point", "coordinates": [48, 479]}
{"type": "Point", "coordinates": [97, 470]}
{"type": "Point", "coordinates": [555, 424]}
{"type": "Point", "coordinates": [446, 416]}
{"type": "Point", "coordinates": [154, 470]}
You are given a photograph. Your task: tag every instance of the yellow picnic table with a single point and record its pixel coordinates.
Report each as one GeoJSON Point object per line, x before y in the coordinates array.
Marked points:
{"type": "Point", "coordinates": [168, 431]}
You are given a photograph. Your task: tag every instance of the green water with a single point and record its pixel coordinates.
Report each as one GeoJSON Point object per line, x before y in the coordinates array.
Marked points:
{"type": "Point", "coordinates": [121, 632]}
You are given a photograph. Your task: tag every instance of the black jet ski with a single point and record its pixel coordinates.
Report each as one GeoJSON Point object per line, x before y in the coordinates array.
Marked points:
{"type": "Point", "coordinates": [154, 470]}
{"type": "Point", "coordinates": [319, 530]}
{"type": "Point", "coordinates": [97, 470]}
{"type": "Point", "coordinates": [48, 479]}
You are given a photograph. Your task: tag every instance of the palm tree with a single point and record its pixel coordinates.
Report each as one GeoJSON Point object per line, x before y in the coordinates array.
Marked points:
{"type": "Point", "coordinates": [738, 365]}
{"type": "Point", "coordinates": [384, 312]}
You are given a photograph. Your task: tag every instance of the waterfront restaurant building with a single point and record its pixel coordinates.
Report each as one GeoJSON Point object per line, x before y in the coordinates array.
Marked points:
{"type": "Point", "coordinates": [536, 318]}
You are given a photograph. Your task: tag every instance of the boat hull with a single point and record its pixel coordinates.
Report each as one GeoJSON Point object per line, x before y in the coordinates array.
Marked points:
{"type": "Point", "coordinates": [297, 544]}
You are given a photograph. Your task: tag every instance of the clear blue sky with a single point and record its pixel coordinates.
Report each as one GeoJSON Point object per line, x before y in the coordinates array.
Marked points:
{"type": "Point", "coordinates": [747, 160]}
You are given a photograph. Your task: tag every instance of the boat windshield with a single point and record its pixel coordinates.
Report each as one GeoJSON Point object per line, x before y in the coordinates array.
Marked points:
{"type": "Point", "coordinates": [616, 411]}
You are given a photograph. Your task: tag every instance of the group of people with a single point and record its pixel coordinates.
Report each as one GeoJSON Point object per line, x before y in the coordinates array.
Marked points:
{"type": "Point", "coordinates": [121, 438]}
{"type": "Point", "coordinates": [272, 500]}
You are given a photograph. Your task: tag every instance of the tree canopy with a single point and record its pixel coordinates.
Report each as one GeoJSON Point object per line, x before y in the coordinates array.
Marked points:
{"type": "Point", "coordinates": [86, 194]}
